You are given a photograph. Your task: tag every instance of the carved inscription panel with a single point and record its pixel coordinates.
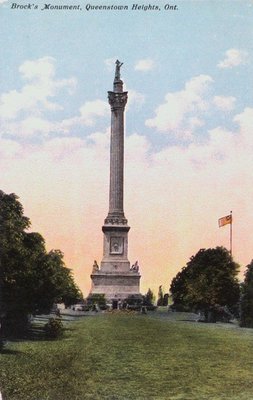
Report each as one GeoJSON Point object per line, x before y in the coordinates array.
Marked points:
{"type": "Point", "coordinates": [116, 245]}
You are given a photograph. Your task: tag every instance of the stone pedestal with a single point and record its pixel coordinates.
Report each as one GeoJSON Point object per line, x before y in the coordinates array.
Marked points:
{"type": "Point", "coordinates": [115, 278]}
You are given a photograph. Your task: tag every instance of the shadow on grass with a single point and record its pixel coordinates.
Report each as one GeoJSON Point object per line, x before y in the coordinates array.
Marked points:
{"type": "Point", "coordinates": [9, 351]}
{"type": "Point", "coordinates": [36, 332]}
{"type": "Point", "coordinates": [75, 315]}
{"type": "Point", "coordinates": [31, 334]}
{"type": "Point", "coordinates": [189, 320]}
{"type": "Point", "coordinates": [19, 333]}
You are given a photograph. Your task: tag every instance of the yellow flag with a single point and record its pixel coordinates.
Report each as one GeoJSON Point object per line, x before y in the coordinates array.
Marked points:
{"type": "Point", "coordinates": [225, 220]}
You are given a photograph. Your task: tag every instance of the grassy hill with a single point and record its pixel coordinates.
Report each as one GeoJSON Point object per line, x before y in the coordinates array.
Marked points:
{"type": "Point", "coordinates": [132, 357]}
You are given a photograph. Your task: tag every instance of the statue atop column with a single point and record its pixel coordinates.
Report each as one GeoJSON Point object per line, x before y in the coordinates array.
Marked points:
{"type": "Point", "coordinates": [117, 70]}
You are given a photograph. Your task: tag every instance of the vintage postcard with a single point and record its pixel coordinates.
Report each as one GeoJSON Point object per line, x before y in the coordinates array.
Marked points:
{"type": "Point", "coordinates": [126, 136]}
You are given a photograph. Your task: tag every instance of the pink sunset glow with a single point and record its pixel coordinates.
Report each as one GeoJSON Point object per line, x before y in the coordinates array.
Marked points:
{"type": "Point", "coordinates": [173, 198]}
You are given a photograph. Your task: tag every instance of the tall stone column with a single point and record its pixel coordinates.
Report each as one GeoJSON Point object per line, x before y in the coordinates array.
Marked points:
{"type": "Point", "coordinates": [115, 278]}
{"type": "Point", "coordinates": [117, 100]}
{"type": "Point", "coordinates": [115, 227]}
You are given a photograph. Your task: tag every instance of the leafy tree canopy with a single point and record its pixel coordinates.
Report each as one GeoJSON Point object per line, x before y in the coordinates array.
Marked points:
{"type": "Point", "coordinates": [209, 280]}
{"type": "Point", "coordinates": [31, 279]}
{"type": "Point", "coordinates": [247, 298]}
{"type": "Point", "coordinates": [149, 298]}
{"type": "Point", "coordinates": [160, 296]}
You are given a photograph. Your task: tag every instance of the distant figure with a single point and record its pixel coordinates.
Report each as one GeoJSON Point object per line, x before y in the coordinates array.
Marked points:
{"type": "Point", "coordinates": [117, 70]}
{"type": "Point", "coordinates": [95, 307]}
{"type": "Point", "coordinates": [95, 267]}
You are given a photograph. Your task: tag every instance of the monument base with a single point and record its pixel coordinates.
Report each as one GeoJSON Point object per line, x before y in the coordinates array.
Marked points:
{"type": "Point", "coordinates": [115, 286]}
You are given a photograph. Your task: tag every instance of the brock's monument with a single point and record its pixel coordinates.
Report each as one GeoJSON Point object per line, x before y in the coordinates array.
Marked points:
{"type": "Point", "coordinates": [115, 278]}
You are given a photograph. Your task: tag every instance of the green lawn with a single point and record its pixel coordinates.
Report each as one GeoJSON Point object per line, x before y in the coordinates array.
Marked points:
{"type": "Point", "coordinates": [131, 357]}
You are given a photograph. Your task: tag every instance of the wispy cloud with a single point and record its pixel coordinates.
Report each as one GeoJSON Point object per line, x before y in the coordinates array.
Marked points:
{"type": "Point", "coordinates": [181, 112]}
{"type": "Point", "coordinates": [37, 94]}
{"type": "Point", "coordinates": [144, 65]}
{"type": "Point", "coordinates": [225, 103]}
{"type": "Point", "coordinates": [135, 98]}
{"type": "Point", "coordinates": [92, 109]}
{"type": "Point", "coordinates": [88, 114]}
{"type": "Point", "coordinates": [233, 58]}
{"type": "Point", "coordinates": [30, 111]}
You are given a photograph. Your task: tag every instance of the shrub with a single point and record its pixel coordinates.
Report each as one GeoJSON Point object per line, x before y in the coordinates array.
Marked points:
{"type": "Point", "coordinates": [98, 299]}
{"type": "Point", "coordinates": [134, 307]}
{"type": "Point", "coordinates": [134, 300]}
{"type": "Point", "coordinates": [151, 307]}
{"type": "Point", "coordinates": [54, 328]}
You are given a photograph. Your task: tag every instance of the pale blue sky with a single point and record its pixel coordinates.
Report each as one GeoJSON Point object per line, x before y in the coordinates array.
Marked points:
{"type": "Point", "coordinates": [183, 44]}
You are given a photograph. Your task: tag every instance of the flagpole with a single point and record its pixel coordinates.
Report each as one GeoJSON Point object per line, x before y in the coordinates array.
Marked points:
{"type": "Point", "coordinates": [231, 221]}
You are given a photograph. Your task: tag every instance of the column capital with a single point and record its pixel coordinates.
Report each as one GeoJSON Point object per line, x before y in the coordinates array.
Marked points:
{"type": "Point", "coordinates": [116, 220]}
{"type": "Point", "coordinates": [117, 100]}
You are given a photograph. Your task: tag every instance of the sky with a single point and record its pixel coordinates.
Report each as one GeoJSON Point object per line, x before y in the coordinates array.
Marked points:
{"type": "Point", "coordinates": [188, 127]}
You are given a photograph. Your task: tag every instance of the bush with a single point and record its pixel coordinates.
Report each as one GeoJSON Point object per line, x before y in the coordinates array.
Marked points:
{"type": "Point", "coordinates": [134, 307]}
{"type": "Point", "coordinates": [151, 307]}
{"type": "Point", "coordinates": [134, 300]}
{"type": "Point", "coordinates": [54, 328]}
{"type": "Point", "coordinates": [98, 299]}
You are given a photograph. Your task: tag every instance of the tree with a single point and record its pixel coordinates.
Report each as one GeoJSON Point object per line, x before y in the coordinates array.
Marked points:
{"type": "Point", "coordinates": [160, 296]}
{"type": "Point", "coordinates": [14, 265]}
{"type": "Point", "coordinates": [149, 298]}
{"type": "Point", "coordinates": [166, 299]}
{"type": "Point", "coordinates": [208, 282]}
{"type": "Point", "coordinates": [54, 282]}
{"type": "Point", "coordinates": [179, 290]}
{"type": "Point", "coordinates": [246, 318]}
{"type": "Point", "coordinates": [31, 279]}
